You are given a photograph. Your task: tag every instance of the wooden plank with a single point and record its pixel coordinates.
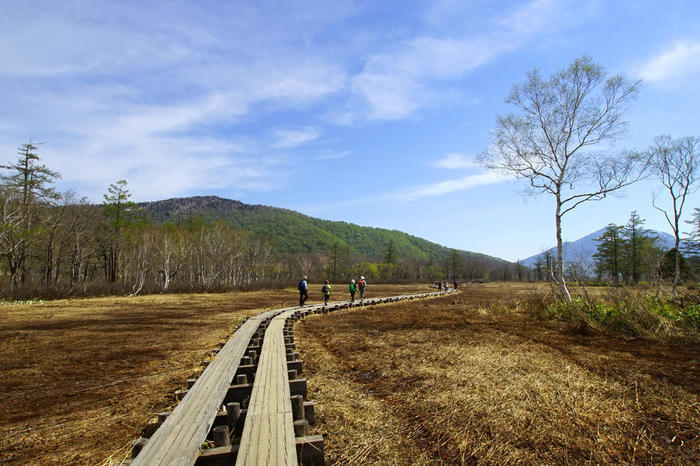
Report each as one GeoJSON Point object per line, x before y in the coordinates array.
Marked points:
{"type": "Point", "coordinates": [178, 439]}
{"type": "Point", "coordinates": [268, 433]}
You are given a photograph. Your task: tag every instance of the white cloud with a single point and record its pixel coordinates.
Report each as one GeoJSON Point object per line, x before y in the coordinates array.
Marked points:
{"type": "Point", "coordinates": [530, 17]}
{"type": "Point", "coordinates": [286, 139]}
{"type": "Point", "coordinates": [177, 98]}
{"type": "Point", "coordinates": [154, 94]}
{"type": "Point", "coordinates": [449, 186]}
{"type": "Point", "coordinates": [455, 161]}
{"type": "Point", "coordinates": [157, 167]}
{"type": "Point", "coordinates": [416, 72]}
{"type": "Point", "coordinates": [679, 59]}
{"type": "Point", "coordinates": [396, 84]}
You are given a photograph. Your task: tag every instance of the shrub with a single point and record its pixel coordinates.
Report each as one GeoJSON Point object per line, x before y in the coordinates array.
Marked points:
{"type": "Point", "coordinates": [623, 311]}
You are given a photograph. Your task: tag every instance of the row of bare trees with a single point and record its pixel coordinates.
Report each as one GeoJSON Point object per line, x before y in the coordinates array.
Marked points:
{"type": "Point", "coordinates": [55, 244]}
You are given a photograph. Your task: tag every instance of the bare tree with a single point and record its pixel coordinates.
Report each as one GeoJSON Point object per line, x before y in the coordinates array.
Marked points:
{"type": "Point", "coordinates": [675, 163]}
{"type": "Point", "coordinates": [559, 139]}
{"type": "Point", "coordinates": [168, 255]}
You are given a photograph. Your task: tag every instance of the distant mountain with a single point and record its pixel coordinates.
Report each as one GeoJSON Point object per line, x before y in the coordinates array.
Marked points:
{"type": "Point", "coordinates": [582, 249]}
{"type": "Point", "coordinates": [293, 232]}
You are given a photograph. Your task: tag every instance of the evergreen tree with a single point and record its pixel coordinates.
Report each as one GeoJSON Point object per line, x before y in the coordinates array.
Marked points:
{"type": "Point", "coordinates": [669, 262]}
{"type": "Point", "coordinates": [692, 239]}
{"type": "Point", "coordinates": [609, 253]}
{"type": "Point", "coordinates": [390, 256]}
{"type": "Point", "coordinates": [119, 212]}
{"type": "Point", "coordinates": [454, 263]}
{"type": "Point", "coordinates": [26, 188]}
{"type": "Point", "coordinates": [637, 247]}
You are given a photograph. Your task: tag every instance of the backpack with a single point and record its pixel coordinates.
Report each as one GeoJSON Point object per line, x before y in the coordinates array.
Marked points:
{"type": "Point", "coordinates": [326, 290]}
{"type": "Point", "coordinates": [302, 286]}
{"type": "Point", "coordinates": [362, 284]}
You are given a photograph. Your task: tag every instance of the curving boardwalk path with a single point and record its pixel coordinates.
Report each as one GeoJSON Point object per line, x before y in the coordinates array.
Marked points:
{"type": "Point", "coordinates": [271, 431]}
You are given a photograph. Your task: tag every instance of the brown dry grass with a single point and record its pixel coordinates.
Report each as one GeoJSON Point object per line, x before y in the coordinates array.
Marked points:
{"type": "Point", "coordinates": [472, 379]}
{"type": "Point", "coordinates": [82, 378]}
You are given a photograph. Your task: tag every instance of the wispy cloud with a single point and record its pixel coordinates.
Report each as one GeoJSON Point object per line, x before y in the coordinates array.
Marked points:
{"type": "Point", "coordinates": [455, 162]}
{"type": "Point", "coordinates": [395, 83]}
{"type": "Point", "coordinates": [154, 94]}
{"type": "Point", "coordinates": [679, 59]}
{"type": "Point", "coordinates": [333, 155]}
{"type": "Point", "coordinates": [186, 96]}
{"type": "Point", "coordinates": [447, 187]}
{"type": "Point", "coordinates": [288, 138]}
{"type": "Point", "coordinates": [416, 193]}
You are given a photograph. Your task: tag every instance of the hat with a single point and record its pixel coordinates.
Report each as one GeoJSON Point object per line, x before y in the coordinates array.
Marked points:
{"type": "Point", "coordinates": [361, 277]}
{"type": "Point", "coordinates": [352, 281]}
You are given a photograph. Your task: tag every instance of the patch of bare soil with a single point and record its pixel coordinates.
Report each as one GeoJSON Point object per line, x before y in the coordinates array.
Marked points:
{"type": "Point", "coordinates": [82, 378]}
{"type": "Point", "coordinates": [470, 379]}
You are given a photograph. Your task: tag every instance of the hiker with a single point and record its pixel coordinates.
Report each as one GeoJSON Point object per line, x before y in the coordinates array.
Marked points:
{"type": "Point", "coordinates": [361, 285]}
{"type": "Point", "coordinates": [303, 291]}
{"type": "Point", "coordinates": [446, 285]}
{"type": "Point", "coordinates": [439, 283]}
{"type": "Point", "coordinates": [456, 283]}
{"type": "Point", "coordinates": [326, 292]}
{"type": "Point", "coordinates": [353, 289]}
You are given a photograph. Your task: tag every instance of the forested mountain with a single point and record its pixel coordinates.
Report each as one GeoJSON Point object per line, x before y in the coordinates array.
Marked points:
{"type": "Point", "coordinates": [294, 233]}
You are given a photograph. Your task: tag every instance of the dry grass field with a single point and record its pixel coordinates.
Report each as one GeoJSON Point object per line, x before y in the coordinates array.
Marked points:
{"type": "Point", "coordinates": [466, 378]}
{"type": "Point", "coordinates": [82, 378]}
{"type": "Point", "coordinates": [470, 378]}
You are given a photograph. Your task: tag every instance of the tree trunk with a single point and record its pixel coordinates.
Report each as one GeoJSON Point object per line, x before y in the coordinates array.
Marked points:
{"type": "Point", "coordinates": [560, 262]}
{"type": "Point", "coordinates": [677, 274]}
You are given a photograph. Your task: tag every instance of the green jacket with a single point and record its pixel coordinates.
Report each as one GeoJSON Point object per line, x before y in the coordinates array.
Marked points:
{"type": "Point", "coordinates": [353, 288]}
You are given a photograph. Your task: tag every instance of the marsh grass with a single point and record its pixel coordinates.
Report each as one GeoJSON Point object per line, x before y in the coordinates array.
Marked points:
{"type": "Point", "coordinates": [474, 379]}
{"type": "Point", "coordinates": [82, 378]}
{"type": "Point", "coordinates": [629, 311]}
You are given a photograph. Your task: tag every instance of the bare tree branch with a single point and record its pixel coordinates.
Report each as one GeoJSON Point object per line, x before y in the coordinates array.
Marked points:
{"type": "Point", "coordinates": [549, 142]}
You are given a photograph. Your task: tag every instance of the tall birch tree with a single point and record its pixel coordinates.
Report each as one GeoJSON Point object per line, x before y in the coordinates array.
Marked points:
{"type": "Point", "coordinates": [560, 139]}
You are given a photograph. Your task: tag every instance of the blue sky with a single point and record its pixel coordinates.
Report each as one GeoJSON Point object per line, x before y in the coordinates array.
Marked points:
{"type": "Point", "coordinates": [369, 112]}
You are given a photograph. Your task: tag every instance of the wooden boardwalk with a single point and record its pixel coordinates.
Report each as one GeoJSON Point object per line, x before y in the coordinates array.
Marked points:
{"type": "Point", "coordinates": [268, 433]}
{"type": "Point", "coordinates": [178, 440]}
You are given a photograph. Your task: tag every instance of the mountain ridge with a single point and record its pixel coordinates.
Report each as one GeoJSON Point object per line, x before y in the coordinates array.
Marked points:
{"type": "Point", "coordinates": [294, 232]}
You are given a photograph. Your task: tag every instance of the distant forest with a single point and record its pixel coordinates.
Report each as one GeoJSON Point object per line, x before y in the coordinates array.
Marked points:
{"type": "Point", "coordinates": [58, 244]}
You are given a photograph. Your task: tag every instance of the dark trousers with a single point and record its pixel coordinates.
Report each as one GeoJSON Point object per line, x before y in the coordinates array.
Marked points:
{"type": "Point", "coordinates": [352, 296]}
{"type": "Point", "coordinates": [302, 297]}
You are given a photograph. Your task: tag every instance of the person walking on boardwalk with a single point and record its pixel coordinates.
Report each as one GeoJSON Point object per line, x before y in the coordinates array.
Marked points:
{"type": "Point", "coordinates": [361, 285]}
{"type": "Point", "coordinates": [353, 289]}
{"type": "Point", "coordinates": [439, 285]}
{"type": "Point", "coordinates": [303, 291]}
{"type": "Point", "coordinates": [326, 292]}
